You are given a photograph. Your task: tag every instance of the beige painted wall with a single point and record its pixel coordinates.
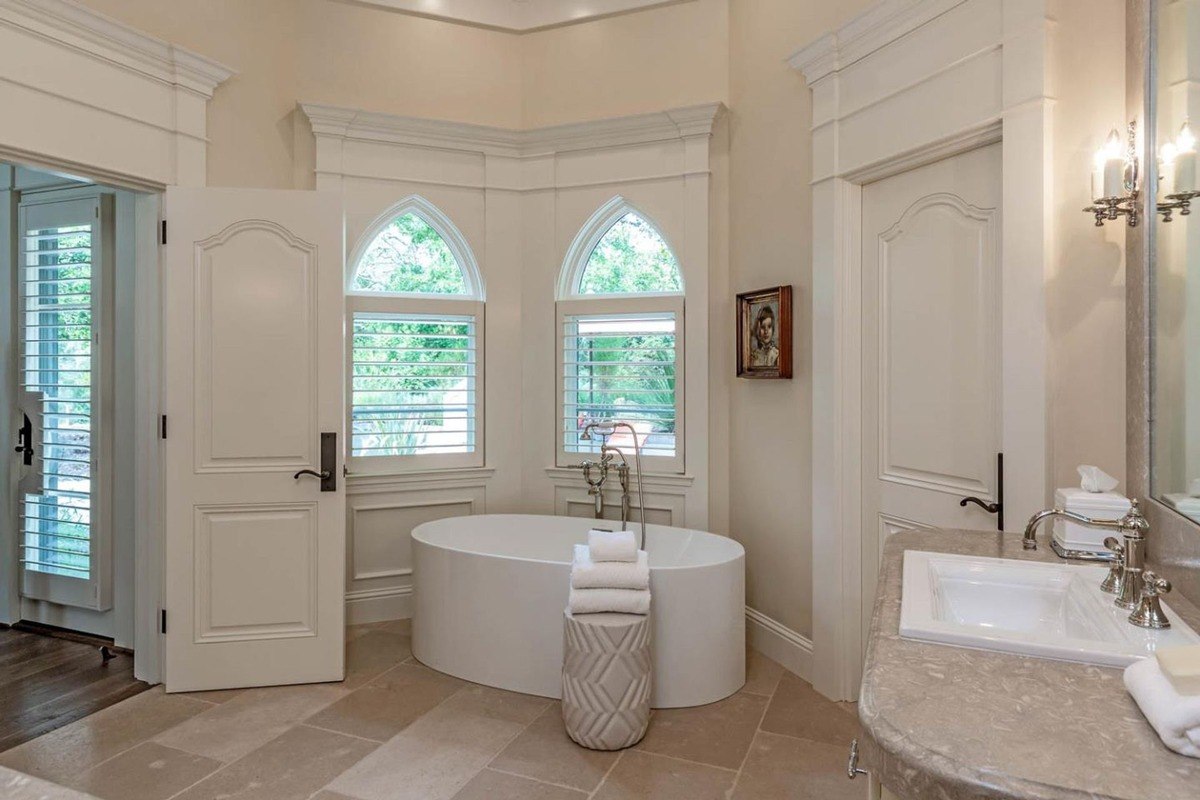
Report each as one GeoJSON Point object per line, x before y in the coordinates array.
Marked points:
{"type": "Point", "coordinates": [326, 51]}
{"type": "Point", "coordinates": [1086, 278]}
{"type": "Point", "coordinates": [771, 244]}
{"type": "Point", "coordinates": [707, 50]}
{"type": "Point", "coordinates": [633, 63]}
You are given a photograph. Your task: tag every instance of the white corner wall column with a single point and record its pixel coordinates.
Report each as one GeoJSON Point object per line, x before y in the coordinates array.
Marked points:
{"type": "Point", "coordinates": [907, 83]}
{"type": "Point", "coordinates": [519, 198]}
{"type": "Point", "coordinates": [88, 96]}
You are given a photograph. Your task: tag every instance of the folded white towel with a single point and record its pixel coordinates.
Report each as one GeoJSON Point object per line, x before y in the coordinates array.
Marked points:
{"type": "Point", "coordinates": [612, 545]}
{"type": "Point", "coordinates": [622, 601]}
{"type": "Point", "coordinates": [1175, 717]}
{"type": "Point", "coordinates": [589, 574]}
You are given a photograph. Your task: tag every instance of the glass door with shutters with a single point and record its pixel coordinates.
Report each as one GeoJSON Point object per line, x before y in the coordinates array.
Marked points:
{"type": "Point", "coordinates": [63, 357]}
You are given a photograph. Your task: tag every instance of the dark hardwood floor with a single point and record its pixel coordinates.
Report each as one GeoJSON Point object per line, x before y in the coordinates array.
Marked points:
{"type": "Point", "coordinates": [47, 682]}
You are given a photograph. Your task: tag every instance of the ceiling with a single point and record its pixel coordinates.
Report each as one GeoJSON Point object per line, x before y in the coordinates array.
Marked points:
{"type": "Point", "coordinates": [519, 16]}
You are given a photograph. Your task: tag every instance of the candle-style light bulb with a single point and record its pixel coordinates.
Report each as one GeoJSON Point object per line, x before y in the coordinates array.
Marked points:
{"type": "Point", "coordinates": [1183, 168]}
{"type": "Point", "coordinates": [1108, 177]}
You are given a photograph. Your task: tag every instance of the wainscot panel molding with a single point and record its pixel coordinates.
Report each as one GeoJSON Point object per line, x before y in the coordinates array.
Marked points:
{"type": "Point", "coordinates": [519, 198]}
{"type": "Point", "coordinates": [940, 77]}
{"type": "Point", "coordinates": [380, 518]}
{"type": "Point", "coordinates": [131, 110]}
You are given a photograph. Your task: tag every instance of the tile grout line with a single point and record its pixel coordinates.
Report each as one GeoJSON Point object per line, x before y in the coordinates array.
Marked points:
{"type": "Point", "coordinates": [502, 747]}
{"type": "Point", "coordinates": [683, 760]}
{"type": "Point", "coordinates": [757, 730]}
{"type": "Point", "coordinates": [136, 744]}
{"type": "Point", "coordinates": [375, 742]}
{"type": "Point", "coordinates": [608, 772]}
{"type": "Point", "coordinates": [526, 777]}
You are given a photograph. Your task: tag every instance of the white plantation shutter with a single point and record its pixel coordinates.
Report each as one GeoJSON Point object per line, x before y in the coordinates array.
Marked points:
{"type": "Point", "coordinates": [64, 543]}
{"type": "Point", "coordinates": [622, 360]}
{"type": "Point", "coordinates": [414, 384]}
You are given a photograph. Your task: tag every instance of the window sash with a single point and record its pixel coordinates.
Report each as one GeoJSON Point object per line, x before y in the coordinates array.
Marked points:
{"type": "Point", "coordinates": [442, 446]}
{"type": "Point", "coordinates": [64, 356]}
{"type": "Point", "coordinates": [652, 310]}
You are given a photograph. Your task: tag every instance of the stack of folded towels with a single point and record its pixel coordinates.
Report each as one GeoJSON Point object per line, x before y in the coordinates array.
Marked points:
{"type": "Point", "coordinates": [610, 574]}
{"type": "Point", "coordinates": [1167, 689]}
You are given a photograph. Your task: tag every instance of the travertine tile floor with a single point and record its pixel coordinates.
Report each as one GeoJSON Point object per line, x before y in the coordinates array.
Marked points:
{"type": "Point", "coordinates": [395, 730]}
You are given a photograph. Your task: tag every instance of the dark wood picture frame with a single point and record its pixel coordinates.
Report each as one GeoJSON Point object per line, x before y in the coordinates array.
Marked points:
{"type": "Point", "coordinates": [754, 361]}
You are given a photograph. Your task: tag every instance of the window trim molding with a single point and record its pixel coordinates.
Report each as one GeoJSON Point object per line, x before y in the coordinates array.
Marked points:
{"type": "Point", "coordinates": [588, 238]}
{"type": "Point", "coordinates": [605, 304]}
{"type": "Point", "coordinates": [436, 219]}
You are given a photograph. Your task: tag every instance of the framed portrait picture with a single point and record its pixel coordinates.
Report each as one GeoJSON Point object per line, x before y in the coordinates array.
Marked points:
{"type": "Point", "coordinates": [764, 333]}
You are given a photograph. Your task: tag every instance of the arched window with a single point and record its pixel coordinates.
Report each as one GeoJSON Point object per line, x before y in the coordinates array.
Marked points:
{"type": "Point", "coordinates": [620, 317]}
{"type": "Point", "coordinates": [415, 307]}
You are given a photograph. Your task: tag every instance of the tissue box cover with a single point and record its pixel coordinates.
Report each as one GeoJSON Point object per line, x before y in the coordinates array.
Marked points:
{"type": "Point", "coordinates": [1097, 505]}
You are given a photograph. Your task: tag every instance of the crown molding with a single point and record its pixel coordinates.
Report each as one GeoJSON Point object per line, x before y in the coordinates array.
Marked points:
{"type": "Point", "coordinates": [877, 26]}
{"type": "Point", "coordinates": [525, 16]}
{"type": "Point", "coordinates": [678, 123]}
{"type": "Point", "coordinates": [74, 25]}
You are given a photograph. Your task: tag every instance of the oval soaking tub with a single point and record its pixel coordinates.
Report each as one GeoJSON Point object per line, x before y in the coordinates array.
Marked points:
{"type": "Point", "coordinates": [490, 592]}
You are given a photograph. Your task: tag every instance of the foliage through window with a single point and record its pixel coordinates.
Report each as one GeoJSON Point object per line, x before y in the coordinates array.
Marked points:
{"type": "Point", "coordinates": [621, 342]}
{"type": "Point", "coordinates": [409, 256]}
{"type": "Point", "coordinates": [415, 378]}
{"type": "Point", "coordinates": [631, 258]}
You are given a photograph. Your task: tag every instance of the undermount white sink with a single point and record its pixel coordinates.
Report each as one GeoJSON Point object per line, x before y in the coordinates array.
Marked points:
{"type": "Point", "coordinates": [1031, 608]}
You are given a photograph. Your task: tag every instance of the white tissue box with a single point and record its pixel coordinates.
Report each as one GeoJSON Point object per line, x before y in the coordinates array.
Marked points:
{"type": "Point", "coordinates": [1097, 505]}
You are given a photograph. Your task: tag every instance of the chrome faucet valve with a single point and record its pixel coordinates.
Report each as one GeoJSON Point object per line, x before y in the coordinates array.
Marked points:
{"type": "Point", "coordinates": [1116, 572]}
{"type": "Point", "coordinates": [1133, 527]}
{"type": "Point", "coordinates": [1149, 612]}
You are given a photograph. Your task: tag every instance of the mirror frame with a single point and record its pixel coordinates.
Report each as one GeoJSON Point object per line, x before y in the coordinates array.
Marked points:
{"type": "Point", "coordinates": [1174, 543]}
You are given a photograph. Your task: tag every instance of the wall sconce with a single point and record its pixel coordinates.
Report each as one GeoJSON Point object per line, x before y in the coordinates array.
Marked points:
{"type": "Point", "coordinates": [1177, 173]}
{"type": "Point", "coordinates": [1115, 179]}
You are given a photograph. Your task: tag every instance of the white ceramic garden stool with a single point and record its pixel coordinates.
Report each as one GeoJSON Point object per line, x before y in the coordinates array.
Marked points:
{"type": "Point", "coordinates": [606, 679]}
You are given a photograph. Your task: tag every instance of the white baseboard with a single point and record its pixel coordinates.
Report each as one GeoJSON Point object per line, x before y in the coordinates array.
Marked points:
{"type": "Point", "coordinates": [378, 605]}
{"type": "Point", "coordinates": [779, 643]}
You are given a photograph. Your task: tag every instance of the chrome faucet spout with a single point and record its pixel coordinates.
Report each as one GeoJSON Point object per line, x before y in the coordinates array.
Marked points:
{"type": "Point", "coordinates": [1030, 540]}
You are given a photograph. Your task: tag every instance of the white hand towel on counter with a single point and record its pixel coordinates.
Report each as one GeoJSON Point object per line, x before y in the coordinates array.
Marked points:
{"type": "Point", "coordinates": [612, 545]}
{"type": "Point", "coordinates": [1175, 717]}
{"type": "Point", "coordinates": [598, 601]}
{"type": "Point", "coordinates": [589, 574]}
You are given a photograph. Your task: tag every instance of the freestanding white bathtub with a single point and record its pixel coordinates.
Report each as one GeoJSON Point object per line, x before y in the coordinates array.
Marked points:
{"type": "Point", "coordinates": [490, 592]}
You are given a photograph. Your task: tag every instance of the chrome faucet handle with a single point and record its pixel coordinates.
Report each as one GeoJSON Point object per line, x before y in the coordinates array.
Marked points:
{"type": "Point", "coordinates": [1116, 571]}
{"type": "Point", "coordinates": [1149, 612]}
{"type": "Point", "coordinates": [1134, 524]}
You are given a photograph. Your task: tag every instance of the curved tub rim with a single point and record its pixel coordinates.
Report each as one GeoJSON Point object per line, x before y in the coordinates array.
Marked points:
{"type": "Point", "coordinates": [740, 555]}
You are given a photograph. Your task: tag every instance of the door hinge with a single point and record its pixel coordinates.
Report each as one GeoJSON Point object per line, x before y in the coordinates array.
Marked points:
{"type": "Point", "coordinates": [162, 620]}
{"type": "Point", "coordinates": [162, 427]}
{"type": "Point", "coordinates": [163, 225]}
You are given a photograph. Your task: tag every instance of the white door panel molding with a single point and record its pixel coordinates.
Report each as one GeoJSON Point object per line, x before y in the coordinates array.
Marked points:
{"type": "Point", "coordinates": [940, 77]}
{"type": "Point", "coordinates": [253, 349]}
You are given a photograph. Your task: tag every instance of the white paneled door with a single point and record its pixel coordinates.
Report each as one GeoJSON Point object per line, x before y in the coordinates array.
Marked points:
{"type": "Point", "coordinates": [253, 348]}
{"type": "Point", "coordinates": [931, 316]}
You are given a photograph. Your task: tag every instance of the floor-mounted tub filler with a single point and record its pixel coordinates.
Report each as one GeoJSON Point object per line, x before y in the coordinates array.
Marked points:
{"type": "Point", "coordinates": [490, 592]}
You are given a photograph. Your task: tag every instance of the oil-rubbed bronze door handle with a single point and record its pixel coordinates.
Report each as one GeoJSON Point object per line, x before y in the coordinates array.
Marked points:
{"type": "Point", "coordinates": [997, 507]}
{"type": "Point", "coordinates": [328, 473]}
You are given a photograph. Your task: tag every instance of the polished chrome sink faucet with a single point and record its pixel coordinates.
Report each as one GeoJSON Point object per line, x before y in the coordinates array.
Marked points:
{"type": "Point", "coordinates": [1136, 590]}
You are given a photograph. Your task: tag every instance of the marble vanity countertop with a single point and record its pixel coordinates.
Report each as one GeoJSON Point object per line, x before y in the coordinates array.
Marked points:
{"type": "Point", "coordinates": [950, 723]}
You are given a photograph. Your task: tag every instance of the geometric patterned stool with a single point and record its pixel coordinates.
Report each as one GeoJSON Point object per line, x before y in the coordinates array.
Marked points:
{"type": "Point", "coordinates": [606, 679]}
